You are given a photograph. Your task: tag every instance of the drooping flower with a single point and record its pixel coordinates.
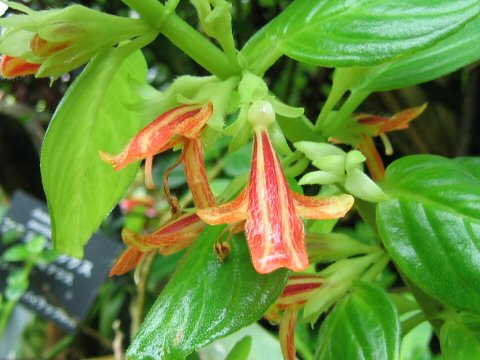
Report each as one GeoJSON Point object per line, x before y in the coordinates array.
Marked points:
{"type": "Point", "coordinates": [271, 211]}
{"type": "Point", "coordinates": [12, 67]}
{"type": "Point", "coordinates": [168, 130]}
{"type": "Point", "coordinates": [180, 232]}
{"type": "Point", "coordinates": [168, 239]}
{"type": "Point", "coordinates": [53, 42]}
{"type": "Point", "coordinates": [285, 309]}
{"type": "Point", "coordinates": [373, 125]}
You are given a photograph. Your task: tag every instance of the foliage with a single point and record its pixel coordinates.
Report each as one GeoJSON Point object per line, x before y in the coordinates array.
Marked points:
{"type": "Point", "coordinates": [256, 178]}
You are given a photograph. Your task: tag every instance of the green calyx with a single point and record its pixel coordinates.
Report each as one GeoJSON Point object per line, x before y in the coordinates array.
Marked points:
{"type": "Point", "coordinates": [339, 167]}
{"type": "Point", "coordinates": [64, 39]}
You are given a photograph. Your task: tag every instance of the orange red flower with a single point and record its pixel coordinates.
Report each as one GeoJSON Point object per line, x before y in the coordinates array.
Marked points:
{"type": "Point", "coordinates": [165, 132]}
{"type": "Point", "coordinates": [272, 212]}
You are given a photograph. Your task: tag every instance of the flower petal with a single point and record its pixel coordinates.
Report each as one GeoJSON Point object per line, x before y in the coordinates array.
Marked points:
{"type": "Point", "coordinates": [11, 67]}
{"type": "Point", "coordinates": [326, 207]}
{"type": "Point", "coordinates": [196, 174]}
{"type": "Point", "coordinates": [382, 124]}
{"type": "Point", "coordinates": [192, 126]}
{"type": "Point", "coordinates": [287, 333]}
{"type": "Point", "coordinates": [274, 231]}
{"type": "Point", "coordinates": [126, 261]}
{"type": "Point", "coordinates": [174, 236]}
{"type": "Point", "coordinates": [41, 47]}
{"type": "Point", "coordinates": [231, 212]}
{"type": "Point", "coordinates": [156, 137]}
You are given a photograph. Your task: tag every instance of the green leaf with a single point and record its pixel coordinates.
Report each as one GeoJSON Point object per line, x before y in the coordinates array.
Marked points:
{"type": "Point", "coordinates": [364, 32]}
{"type": "Point", "coordinates": [80, 188]}
{"type": "Point", "coordinates": [362, 326]}
{"type": "Point", "coordinates": [298, 129]}
{"type": "Point", "coordinates": [416, 344]}
{"type": "Point", "coordinates": [460, 337]}
{"type": "Point", "coordinates": [431, 226]}
{"type": "Point", "coordinates": [17, 284]}
{"type": "Point", "coordinates": [241, 350]}
{"type": "Point", "coordinates": [448, 55]}
{"type": "Point", "coordinates": [205, 300]}
{"type": "Point", "coordinates": [16, 253]}
{"type": "Point", "coordinates": [238, 162]}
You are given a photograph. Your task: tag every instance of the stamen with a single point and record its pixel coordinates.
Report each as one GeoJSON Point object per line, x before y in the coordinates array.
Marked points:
{"type": "Point", "coordinates": [387, 144]}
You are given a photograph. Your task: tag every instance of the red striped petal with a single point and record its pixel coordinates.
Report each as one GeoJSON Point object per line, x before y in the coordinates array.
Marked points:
{"type": "Point", "coordinates": [176, 234]}
{"type": "Point", "coordinates": [11, 67]}
{"type": "Point", "coordinates": [327, 207]}
{"type": "Point", "coordinates": [153, 139]}
{"type": "Point", "coordinates": [229, 213]}
{"type": "Point", "coordinates": [126, 261]}
{"type": "Point", "coordinates": [399, 121]}
{"type": "Point", "coordinates": [287, 333]}
{"type": "Point", "coordinates": [196, 174]}
{"type": "Point", "coordinates": [274, 231]}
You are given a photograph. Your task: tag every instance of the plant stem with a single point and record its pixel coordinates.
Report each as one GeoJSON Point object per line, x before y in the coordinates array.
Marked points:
{"type": "Point", "coordinates": [266, 60]}
{"type": "Point", "coordinates": [185, 37]}
{"type": "Point", "coordinates": [5, 315]}
{"type": "Point", "coordinates": [413, 322]}
{"type": "Point", "coordinates": [331, 125]}
{"type": "Point", "coordinates": [137, 319]}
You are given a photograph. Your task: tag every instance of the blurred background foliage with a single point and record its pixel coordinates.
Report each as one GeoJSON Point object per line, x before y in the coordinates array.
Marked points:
{"type": "Point", "coordinates": [449, 127]}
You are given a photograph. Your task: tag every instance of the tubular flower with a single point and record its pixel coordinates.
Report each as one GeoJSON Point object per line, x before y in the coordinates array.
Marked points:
{"type": "Point", "coordinates": [11, 67]}
{"type": "Point", "coordinates": [168, 239]}
{"type": "Point", "coordinates": [272, 212]}
{"type": "Point", "coordinates": [53, 42]}
{"type": "Point", "coordinates": [373, 125]}
{"type": "Point", "coordinates": [180, 232]}
{"type": "Point", "coordinates": [296, 293]}
{"type": "Point", "coordinates": [165, 132]}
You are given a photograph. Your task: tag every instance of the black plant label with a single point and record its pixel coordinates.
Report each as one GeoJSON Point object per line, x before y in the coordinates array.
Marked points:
{"type": "Point", "coordinates": [61, 291]}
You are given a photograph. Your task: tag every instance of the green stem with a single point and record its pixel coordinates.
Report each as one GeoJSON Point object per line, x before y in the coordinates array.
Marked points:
{"type": "Point", "coordinates": [266, 61]}
{"type": "Point", "coordinates": [5, 315]}
{"type": "Point", "coordinates": [333, 98]}
{"type": "Point", "coordinates": [413, 322]}
{"type": "Point", "coordinates": [260, 53]}
{"type": "Point", "coordinates": [372, 273]}
{"type": "Point", "coordinates": [10, 304]}
{"type": "Point", "coordinates": [59, 347]}
{"type": "Point", "coordinates": [185, 37]}
{"type": "Point", "coordinates": [331, 126]}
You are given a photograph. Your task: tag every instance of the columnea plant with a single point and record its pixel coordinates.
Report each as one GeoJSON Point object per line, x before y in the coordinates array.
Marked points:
{"type": "Point", "coordinates": [269, 242]}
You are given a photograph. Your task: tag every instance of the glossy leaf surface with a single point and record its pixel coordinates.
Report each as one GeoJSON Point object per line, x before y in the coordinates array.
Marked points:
{"type": "Point", "coordinates": [431, 226]}
{"type": "Point", "coordinates": [362, 326]}
{"type": "Point", "coordinates": [206, 300]}
{"type": "Point", "coordinates": [460, 337]}
{"type": "Point", "coordinates": [80, 188]}
{"type": "Point", "coordinates": [448, 55]}
{"type": "Point", "coordinates": [364, 32]}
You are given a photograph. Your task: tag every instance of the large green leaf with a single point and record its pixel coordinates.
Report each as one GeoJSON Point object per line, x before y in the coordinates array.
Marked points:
{"type": "Point", "coordinates": [431, 226]}
{"type": "Point", "coordinates": [205, 300]}
{"type": "Point", "coordinates": [363, 326]}
{"type": "Point", "coordinates": [460, 337]}
{"type": "Point", "coordinates": [448, 55]}
{"type": "Point", "coordinates": [363, 32]}
{"type": "Point", "coordinates": [80, 188]}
